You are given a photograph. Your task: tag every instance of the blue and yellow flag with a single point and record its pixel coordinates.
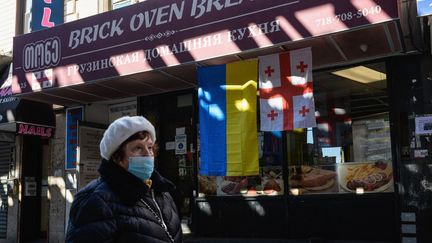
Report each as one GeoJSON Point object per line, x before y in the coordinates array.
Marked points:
{"type": "Point", "coordinates": [228, 119]}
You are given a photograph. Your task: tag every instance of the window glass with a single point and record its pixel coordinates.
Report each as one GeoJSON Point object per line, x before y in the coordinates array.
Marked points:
{"type": "Point", "coordinates": [121, 4]}
{"type": "Point", "coordinates": [27, 17]}
{"type": "Point", "coordinates": [350, 150]}
{"type": "Point", "coordinates": [269, 182]}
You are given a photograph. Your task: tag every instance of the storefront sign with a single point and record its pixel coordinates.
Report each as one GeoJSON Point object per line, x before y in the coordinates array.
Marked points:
{"type": "Point", "coordinates": [46, 14]}
{"type": "Point", "coordinates": [36, 130]}
{"type": "Point", "coordinates": [424, 7]}
{"type": "Point", "coordinates": [155, 34]}
{"type": "Point", "coordinates": [8, 102]}
{"type": "Point", "coordinates": [73, 115]}
{"type": "Point", "coordinates": [6, 84]}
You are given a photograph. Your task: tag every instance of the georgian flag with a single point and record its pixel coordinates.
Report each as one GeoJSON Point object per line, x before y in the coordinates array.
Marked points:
{"type": "Point", "coordinates": [269, 74]}
{"type": "Point", "coordinates": [286, 91]}
{"type": "Point", "coordinates": [305, 111]}
{"type": "Point", "coordinates": [272, 109]}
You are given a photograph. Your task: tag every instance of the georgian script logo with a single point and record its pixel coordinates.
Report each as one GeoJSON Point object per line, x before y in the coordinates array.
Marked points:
{"type": "Point", "coordinates": [41, 54]}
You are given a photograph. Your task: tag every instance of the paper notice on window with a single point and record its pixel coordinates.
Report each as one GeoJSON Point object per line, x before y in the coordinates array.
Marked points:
{"type": "Point", "coordinates": [180, 143]}
{"type": "Point", "coordinates": [420, 153]}
{"type": "Point", "coordinates": [180, 130]}
{"type": "Point", "coordinates": [423, 125]}
{"type": "Point", "coordinates": [170, 145]}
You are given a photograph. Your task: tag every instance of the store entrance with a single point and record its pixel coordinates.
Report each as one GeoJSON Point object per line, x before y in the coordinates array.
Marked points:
{"type": "Point", "coordinates": [172, 114]}
{"type": "Point", "coordinates": [34, 205]}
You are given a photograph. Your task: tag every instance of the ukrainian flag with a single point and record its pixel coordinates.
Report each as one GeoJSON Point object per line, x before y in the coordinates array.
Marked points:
{"type": "Point", "coordinates": [228, 119]}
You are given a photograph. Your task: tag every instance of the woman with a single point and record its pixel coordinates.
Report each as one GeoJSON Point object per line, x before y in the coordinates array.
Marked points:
{"type": "Point", "coordinates": [130, 202]}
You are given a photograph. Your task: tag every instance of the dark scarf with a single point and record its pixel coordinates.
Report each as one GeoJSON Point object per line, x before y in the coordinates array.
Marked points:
{"type": "Point", "coordinates": [129, 187]}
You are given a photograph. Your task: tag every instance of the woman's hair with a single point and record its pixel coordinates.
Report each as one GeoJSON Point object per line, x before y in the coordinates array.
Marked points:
{"type": "Point", "coordinates": [119, 154]}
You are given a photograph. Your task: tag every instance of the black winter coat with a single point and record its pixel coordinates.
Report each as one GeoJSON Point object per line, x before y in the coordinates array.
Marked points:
{"type": "Point", "coordinates": [109, 209]}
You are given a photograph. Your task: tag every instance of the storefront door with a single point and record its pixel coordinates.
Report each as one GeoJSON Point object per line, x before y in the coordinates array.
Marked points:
{"type": "Point", "coordinates": [33, 215]}
{"type": "Point", "coordinates": [172, 114]}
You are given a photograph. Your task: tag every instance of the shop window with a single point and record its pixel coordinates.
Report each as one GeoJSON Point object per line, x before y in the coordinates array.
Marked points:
{"type": "Point", "coordinates": [350, 149]}
{"type": "Point", "coordinates": [269, 182]}
{"type": "Point", "coordinates": [271, 157]}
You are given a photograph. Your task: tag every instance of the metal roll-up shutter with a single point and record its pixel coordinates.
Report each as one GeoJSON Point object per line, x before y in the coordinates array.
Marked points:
{"type": "Point", "coordinates": [6, 157]}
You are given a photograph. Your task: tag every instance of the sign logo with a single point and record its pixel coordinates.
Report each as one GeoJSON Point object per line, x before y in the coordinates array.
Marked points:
{"type": "Point", "coordinates": [29, 129]}
{"type": "Point", "coordinates": [42, 54]}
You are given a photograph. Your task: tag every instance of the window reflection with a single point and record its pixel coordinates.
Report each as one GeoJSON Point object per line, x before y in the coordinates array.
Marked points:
{"type": "Point", "coordinates": [268, 183]}
{"type": "Point", "coordinates": [350, 149]}
{"type": "Point", "coordinates": [348, 152]}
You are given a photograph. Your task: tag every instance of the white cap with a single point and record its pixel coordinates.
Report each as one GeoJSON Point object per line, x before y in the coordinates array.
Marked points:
{"type": "Point", "coordinates": [120, 130]}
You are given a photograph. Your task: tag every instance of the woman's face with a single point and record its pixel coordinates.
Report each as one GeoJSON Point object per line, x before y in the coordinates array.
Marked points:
{"type": "Point", "coordinates": [136, 148]}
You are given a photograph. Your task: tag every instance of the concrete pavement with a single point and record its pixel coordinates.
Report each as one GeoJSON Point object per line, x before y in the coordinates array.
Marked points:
{"type": "Point", "coordinates": [190, 239]}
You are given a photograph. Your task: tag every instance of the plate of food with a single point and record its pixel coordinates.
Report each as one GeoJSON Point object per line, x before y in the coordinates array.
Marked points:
{"type": "Point", "coordinates": [232, 185]}
{"type": "Point", "coordinates": [372, 177]}
{"type": "Point", "coordinates": [207, 185]}
{"type": "Point", "coordinates": [312, 178]}
{"type": "Point", "coordinates": [272, 182]}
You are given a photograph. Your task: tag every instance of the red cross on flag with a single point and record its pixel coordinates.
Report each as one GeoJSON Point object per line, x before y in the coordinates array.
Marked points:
{"type": "Point", "coordinates": [286, 91]}
{"type": "Point", "coordinates": [272, 110]}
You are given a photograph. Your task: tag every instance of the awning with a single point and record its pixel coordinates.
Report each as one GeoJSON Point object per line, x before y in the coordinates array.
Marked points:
{"type": "Point", "coordinates": [19, 111]}
{"type": "Point", "coordinates": [343, 48]}
{"type": "Point", "coordinates": [33, 115]}
{"type": "Point", "coordinates": [129, 56]}
{"type": "Point", "coordinates": [8, 103]}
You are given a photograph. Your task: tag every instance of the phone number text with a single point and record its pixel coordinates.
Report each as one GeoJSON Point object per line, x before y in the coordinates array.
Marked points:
{"type": "Point", "coordinates": [348, 16]}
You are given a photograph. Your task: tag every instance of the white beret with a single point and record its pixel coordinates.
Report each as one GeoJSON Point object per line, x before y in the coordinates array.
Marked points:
{"type": "Point", "coordinates": [120, 130]}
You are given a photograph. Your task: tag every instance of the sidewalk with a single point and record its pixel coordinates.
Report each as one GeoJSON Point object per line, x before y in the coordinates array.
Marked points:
{"type": "Point", "coordinates": [190, 239]}
{"type": "Point", "coordinates": [241, 240]}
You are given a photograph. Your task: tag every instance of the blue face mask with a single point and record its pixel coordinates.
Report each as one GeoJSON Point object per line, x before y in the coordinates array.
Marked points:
{"type": "Point", "coordinates": [141, 167]}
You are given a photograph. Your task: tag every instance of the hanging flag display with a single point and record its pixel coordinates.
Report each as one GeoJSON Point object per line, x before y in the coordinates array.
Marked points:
{"type": "Point", "coordinates": [286, 91]}
{"type": "Point", "coordinates": [228, 119]}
